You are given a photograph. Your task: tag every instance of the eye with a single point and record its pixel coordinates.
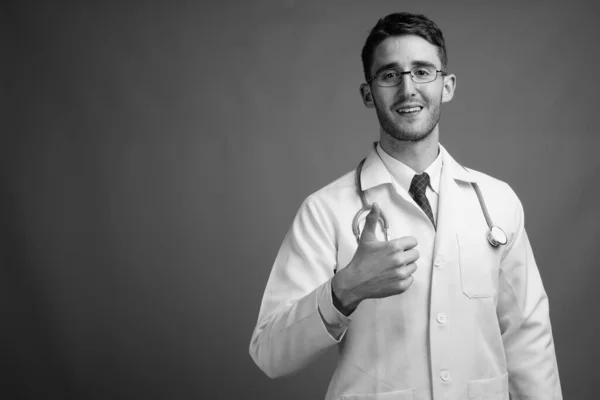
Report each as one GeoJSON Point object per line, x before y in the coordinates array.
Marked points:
{"type": "Point", "coordinates": [422, 72]}
{"type": "Point", "coordinates": [388, 75]}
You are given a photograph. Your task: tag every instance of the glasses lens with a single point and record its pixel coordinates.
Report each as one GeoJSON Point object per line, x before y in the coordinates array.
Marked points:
{"type": "Point", "coordinates": [423, 74]}
{"type": "Point", "coordinates": [388, 78]}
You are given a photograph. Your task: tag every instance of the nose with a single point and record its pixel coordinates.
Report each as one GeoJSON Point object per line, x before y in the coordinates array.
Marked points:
{"type": "Point", "coordinates": [406, 85]}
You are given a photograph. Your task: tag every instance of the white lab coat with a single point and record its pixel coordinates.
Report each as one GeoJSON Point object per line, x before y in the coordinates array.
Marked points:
{"type": "Point", "coordinates": [474, 324]}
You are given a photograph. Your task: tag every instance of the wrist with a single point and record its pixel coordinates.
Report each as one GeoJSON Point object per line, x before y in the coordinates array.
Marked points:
{"type": "Point", "coordinates": [342, 298]}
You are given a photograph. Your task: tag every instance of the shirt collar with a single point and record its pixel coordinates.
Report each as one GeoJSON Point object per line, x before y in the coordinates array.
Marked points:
{"type": "Point", "coordinates": [403, 174]}
{"type": "Point", "coordinates": [375, 173]}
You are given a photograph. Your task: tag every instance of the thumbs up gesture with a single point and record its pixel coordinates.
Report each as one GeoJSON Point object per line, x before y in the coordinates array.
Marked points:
{"type": "Point", "coordinates": [378, 269]}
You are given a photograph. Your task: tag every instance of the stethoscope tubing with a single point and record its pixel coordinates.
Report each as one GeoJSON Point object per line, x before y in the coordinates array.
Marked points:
{"type": "Point", "coordinates": [366, 208]}
{"type": "Point", "coordinates": [495, 237]}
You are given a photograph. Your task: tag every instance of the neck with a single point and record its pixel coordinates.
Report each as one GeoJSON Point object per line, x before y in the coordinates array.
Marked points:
{"type": "Point", "coordinates": [418, 155]}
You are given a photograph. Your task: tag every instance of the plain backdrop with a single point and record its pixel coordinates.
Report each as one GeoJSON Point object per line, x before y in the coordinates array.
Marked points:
{"type": "Point", "coordinates": [154, 156]}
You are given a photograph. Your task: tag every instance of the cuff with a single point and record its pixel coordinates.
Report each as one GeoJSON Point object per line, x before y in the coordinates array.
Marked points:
{"type": "Point", "coordinates": [335, 322]}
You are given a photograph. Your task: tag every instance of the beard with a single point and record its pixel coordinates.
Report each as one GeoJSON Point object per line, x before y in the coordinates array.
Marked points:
{"type": "Point", "coordinates": [409, 131]}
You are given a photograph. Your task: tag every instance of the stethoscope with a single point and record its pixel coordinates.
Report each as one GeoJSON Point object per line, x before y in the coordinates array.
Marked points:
{"type": "Point", "coordinates": [496, 235]}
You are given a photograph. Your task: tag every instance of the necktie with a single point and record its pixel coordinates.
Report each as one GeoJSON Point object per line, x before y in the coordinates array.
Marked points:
{"type": "Point", "coordinates": [418, 186]}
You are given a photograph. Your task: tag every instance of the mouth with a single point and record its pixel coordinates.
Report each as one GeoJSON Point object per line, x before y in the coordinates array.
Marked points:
{"type": "Point", "coordinates": [409, 111]}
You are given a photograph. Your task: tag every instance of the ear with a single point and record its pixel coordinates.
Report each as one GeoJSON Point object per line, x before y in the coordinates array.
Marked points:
{"type": "Point", "coordinates": [449, 87]}
{"type": "Point", "coordinates": [367, 96]}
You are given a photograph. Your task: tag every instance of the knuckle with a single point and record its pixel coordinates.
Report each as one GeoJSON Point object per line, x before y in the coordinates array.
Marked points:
{"type": "Point", "coordinates": [406, 243]}
{"type": "Point", "coordinates": [397, 246]}
{"type": "Point", "coordinates": [400, 245]}
{"type": "Point", "coordinates": [412, 267]}
{"type": "Point", "coordinates": [405, 283]}
{"type": "Point", "coordinates": [406, 270]}
{"type": "Point", "coordinates": [400, 259]}
{"type": "Point", "coordinates": [411, 242]}
{"type": "Point", "coordinates": [402, 274]}
{"type": "Point", "coordinates": [406, 257]}
{"type": "Point", "coordinates": [414, 254]}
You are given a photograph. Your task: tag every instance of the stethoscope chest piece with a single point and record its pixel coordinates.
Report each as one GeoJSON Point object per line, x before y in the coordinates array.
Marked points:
{"type": "Point", "coordinates": [496, 236]}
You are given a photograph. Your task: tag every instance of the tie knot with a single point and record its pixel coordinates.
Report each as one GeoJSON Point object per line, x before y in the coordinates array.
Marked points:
{"type": "Point", "coordinates": [419, 184]}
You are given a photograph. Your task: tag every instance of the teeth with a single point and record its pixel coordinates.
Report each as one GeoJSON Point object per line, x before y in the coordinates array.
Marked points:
{"type": "Point", "coordinates": [407, 110]}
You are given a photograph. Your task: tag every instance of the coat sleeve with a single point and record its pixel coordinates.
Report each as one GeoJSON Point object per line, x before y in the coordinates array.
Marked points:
{"type": "Point", "coordinates": [290, 332]}
{"type": "Point", "coordinates": [523, 314]}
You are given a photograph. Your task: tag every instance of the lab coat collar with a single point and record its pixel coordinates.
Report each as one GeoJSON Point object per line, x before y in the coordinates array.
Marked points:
{"type": "Point", "coordinates": [454, 169]}
{"type": "Point", "coordinates": [374, 172]}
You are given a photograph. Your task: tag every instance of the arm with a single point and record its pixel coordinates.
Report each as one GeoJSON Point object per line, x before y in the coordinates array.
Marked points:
{"type": "Point", "coordinates": [524, 319]}
{"type": "Point", "coordinates": [290, 332]}
{"type": "Point", "coordinates": [298, 320]}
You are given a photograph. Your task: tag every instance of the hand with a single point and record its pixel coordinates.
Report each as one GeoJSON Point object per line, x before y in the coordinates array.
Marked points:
{"type": "Point", "coordinates": [378, 269]}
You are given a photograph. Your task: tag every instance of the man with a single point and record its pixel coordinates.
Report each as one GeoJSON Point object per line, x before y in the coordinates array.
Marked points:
{"type": "Point", "coordinates": [437, 311]}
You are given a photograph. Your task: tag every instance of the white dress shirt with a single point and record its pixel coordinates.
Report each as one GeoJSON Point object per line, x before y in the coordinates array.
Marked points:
{"type": "Point", "coordinates": [403, 176]}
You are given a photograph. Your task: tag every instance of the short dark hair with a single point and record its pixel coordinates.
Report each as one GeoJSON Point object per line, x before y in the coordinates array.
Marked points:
{"type": "Point", "coordinates": [398, 24]}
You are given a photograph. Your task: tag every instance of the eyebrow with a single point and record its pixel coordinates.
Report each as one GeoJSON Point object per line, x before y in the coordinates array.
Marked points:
{"type": "Point", "coordinates": [395, 65]}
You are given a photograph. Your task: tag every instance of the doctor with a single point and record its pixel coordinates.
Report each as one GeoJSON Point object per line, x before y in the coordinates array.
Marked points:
{"type": "Point", "coordinates": [434, 312]}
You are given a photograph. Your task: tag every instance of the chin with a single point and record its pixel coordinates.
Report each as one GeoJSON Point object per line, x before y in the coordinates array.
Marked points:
{"type": "Point", "coordinates": [409, 136]}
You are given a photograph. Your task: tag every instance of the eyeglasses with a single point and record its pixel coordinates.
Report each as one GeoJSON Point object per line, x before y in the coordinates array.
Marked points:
{"type": "Point", "coordinates": [419, 74]}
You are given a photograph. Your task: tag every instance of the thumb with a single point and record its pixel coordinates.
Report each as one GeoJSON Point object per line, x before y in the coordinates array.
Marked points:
{"type": "Point", "coordinates": [370, 227]}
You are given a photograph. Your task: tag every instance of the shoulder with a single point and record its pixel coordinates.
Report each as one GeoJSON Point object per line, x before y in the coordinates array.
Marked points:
{"type": "Point", "coordinates": [496, 186]}
{"type": "Point", "coordinates": [331, 203]}
{"type": "Point", "coordinates": [464, 175]}
{"type": "Point", "coordinates": [336, 191]}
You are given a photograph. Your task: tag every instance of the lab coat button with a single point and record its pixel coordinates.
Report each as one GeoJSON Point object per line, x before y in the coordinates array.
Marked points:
{"type": "Point", "coordinates": [441, 318]}
{"type": "Point", "coordinates": [445, 375]}
{"type": "Point", "coordinates": [438, 261]}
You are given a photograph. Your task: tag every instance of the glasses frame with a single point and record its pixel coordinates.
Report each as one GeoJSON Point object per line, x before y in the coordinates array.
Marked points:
{"type": "Point", "coordinates": [412, 77]}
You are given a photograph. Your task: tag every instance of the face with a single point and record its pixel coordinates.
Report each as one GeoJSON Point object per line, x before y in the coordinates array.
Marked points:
{"type": "Point", "coordinates": [409, 111]}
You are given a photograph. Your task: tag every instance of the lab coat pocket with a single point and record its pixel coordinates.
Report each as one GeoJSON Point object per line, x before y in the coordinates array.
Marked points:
{"type": "Point", "coordinates": [478, 267]}
{"type": "Point", "coordinates": [395, 395]}
{"type": "Point", "coordinates": [489, 389]}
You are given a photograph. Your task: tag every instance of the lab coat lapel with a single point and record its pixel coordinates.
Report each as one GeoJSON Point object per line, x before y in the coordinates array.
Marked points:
{"type": "Point", "coordinates": [449, 201]}
{"type": "Point", "coordinates": [445, 237]}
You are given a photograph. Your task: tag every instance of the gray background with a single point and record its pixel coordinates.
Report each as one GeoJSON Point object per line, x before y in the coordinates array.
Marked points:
{"type": "Point", "coordinates": [154, 156]}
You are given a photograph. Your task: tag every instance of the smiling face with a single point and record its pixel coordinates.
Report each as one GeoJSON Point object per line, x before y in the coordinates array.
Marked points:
{"type": "Point", "coordinates": [409, 112]}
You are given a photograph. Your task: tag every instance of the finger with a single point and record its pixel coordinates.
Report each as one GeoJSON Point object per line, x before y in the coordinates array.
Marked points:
{"type": "Point", "coordinates": [406, 257]}
{"type": "Point", "coordinates": [370, 227]}
{"type": "Point", "coordinates": [406, 270]}
{"type": "Point", "coordinates": [404, 284]}
{"type": "Point", "coordinates": [404, 243]}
